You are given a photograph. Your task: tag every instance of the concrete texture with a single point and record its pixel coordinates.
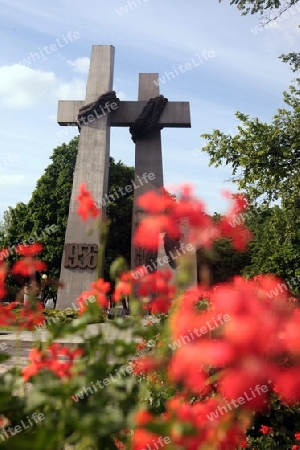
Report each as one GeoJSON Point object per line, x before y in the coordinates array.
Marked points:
{"type": "Point", "coordinates": [92, 164]}
{"type": "Point", "coordinates": [92, 167]}
{"type": "Point", "coordinates": [148, 158]}
{"type": "Point", "coordinates": [175, 114]}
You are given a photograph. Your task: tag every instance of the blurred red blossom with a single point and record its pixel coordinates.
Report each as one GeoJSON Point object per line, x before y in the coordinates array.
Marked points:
{"type": "Point", "coordinates": [86, 204]}
{"type": "Point", "coordinates": [57, 358]}
{"type": "Point", "coordinates": [266, 430]}
{"type": "Point", "coordinates": [97, 293]}
{"type": "Point", "coordinates": [28, 265]}
{"type": "Point", "coordinates": [30, 250]}
{"type": "Point", "coordinates": [163, 215]}
{"type": "Point", "coordinates": [31, 315]}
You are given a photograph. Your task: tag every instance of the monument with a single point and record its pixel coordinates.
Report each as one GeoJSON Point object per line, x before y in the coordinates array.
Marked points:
{"type": "Point", "coordinates": [100, 110]}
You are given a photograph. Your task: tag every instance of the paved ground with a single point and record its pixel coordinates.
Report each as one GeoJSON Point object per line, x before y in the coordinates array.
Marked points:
{"type": "Point", "coordinates": [18, 352]}
{"type": "Point", "coordinates": [18, 344]}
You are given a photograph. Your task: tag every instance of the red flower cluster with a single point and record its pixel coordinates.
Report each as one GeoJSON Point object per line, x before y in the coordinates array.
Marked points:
{"type": "Point", "coordinates": [297, 438]}
{"type": "Point", "coordinates": [57, 358]}
{"type": "Point", "coordinates": [124, 287]}
{"type": "Point", "coordinates": [145, 364]}
{"type": "Point", "coordinates": [266, 430]}
{"type": "Point", "coordinates": [97, 293]}
{"type": "Point", "coordinates": [183, 416]}
{"type": "Point", "coordinates": [30, 316]}
{"type": "Point", "coordinates": [155, 288]}
{"type": "Point", "coordinates": [86, 204]}
{"type": "Point", "coordinates": [249, 347]}
{"type": "Point", "coordinates": [7, 317]}
{"type": "Point", "coordinates": [28, 265]}
{"type": "Point", "coordinates": [230, 355]}
{"type": "Point", "coordinates": [163, 215]}
{"type": "Point", "coordinates": [158, 290]}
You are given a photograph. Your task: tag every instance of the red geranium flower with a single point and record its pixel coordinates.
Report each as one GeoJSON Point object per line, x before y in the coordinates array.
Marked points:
{"type": "Point", "coordinates": [143, 417]}
{"type": "Point", "coordinates": [155, 202]}
{"type": "Point", "coordinates": [124, 287]}
{"type": "Point", "coordinates": [35, 356]}
{"type": "Point", "coordinates": [266, 430]}
{"type": "Point", "coordinates": [31, 316]}
{"type": "Point", "coordinates": [7, 317]}
{"type": "Point", "coordinates": [142, 439]}
{"type": "Point", "coordinates": [29, 250]}
{"type": "Point", "coordinates": [148, 232]}
{"type": "Point", "coordinates": [28, 266]}
{"type": "Point", "coordinates": [144, 364]}
{"type": "Point", "coordinates": [56, 358]}
{"type": "Point", "coordinates": [97, 293]}
{"type": "Point", "coordinates": [86, 204]}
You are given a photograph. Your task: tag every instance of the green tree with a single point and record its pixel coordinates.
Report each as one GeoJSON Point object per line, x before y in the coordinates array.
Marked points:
{"type": "Point", "coordinates": [266, 167]}
{"type": "Point", "coordinates": [275, 247]}
{"type": "Point", "coordinates": [119, 212]}
{"type": "Point", "coordinates": [265, 163]}
{"type": "Point", "coordinates": [264, 157]}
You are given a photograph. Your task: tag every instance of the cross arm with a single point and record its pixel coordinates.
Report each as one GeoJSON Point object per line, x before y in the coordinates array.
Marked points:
{"type": "Point", "coordinates": [175, 114]}
{"type": "Point", "coordinates": [67, 111]}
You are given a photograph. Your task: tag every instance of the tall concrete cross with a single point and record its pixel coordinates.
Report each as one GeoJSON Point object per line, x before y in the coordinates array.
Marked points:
{"type": "Point", "coordinates": [78, 267]}
{"type": "Point", "coordinates": [148, 156]}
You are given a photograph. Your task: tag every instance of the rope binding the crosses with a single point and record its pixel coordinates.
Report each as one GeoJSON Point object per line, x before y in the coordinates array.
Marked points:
{"type": "Point", "coordinates": [148, 121]}
{"type": "Point", "coordinates": [98, 108]}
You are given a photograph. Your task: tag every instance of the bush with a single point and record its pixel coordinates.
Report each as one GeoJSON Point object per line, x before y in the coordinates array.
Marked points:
{"type": "Point", "coordinates": [68, 315]}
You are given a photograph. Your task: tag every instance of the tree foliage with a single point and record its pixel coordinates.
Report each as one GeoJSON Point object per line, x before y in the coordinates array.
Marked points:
{"type": "Point", "coordinates": [293, 59]}
{"type": "Point", "coordinates": [119, 212]}
{"type": "Point", "coordinates": [275, 247]}
{"type": "Point", "coordinates": [265, 162]}
{"type": "Point", "coordinates": [261, 6]}
{"type": "Point", "coordinates": [264, 157]}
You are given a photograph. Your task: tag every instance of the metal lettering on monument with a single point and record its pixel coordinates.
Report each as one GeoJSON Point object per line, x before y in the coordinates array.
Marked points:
{"type": "Point", "coordinates": [82, 256]}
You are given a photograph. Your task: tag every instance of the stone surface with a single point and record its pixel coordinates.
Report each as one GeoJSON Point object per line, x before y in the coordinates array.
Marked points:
{"type": "Point", "coordinates": [148, 158]}
{"type": "Point", "coordinates": [18, 345]}
{"type": "Point", "coordinates": [92, 166]}
{"type": "Point", "coordinates": [176, 114]}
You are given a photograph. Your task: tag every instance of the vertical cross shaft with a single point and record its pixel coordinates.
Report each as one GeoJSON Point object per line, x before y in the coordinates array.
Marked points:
{"type": "Point", "coordinates": [92, 165]}
{"type": "Point", "coordinates": [148, 158]}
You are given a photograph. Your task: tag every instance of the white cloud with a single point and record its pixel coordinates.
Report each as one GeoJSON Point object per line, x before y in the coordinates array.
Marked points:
{"type": "Point", "coordinates": [80, 65]}
{"type": "Point", "coordinates": [22, 87]}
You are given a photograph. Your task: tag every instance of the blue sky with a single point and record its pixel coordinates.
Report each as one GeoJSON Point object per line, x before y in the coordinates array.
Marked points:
{"type": "Point", "coordinates": [243, 74]}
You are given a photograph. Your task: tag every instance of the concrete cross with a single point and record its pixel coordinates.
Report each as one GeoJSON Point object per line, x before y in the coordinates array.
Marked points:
{"type": "Point", "coordinates": [78, 268]}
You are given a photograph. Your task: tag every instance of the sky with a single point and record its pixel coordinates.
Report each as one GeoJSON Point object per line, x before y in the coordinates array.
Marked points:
{"type": "Point", "coordinates": [237, 70]}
